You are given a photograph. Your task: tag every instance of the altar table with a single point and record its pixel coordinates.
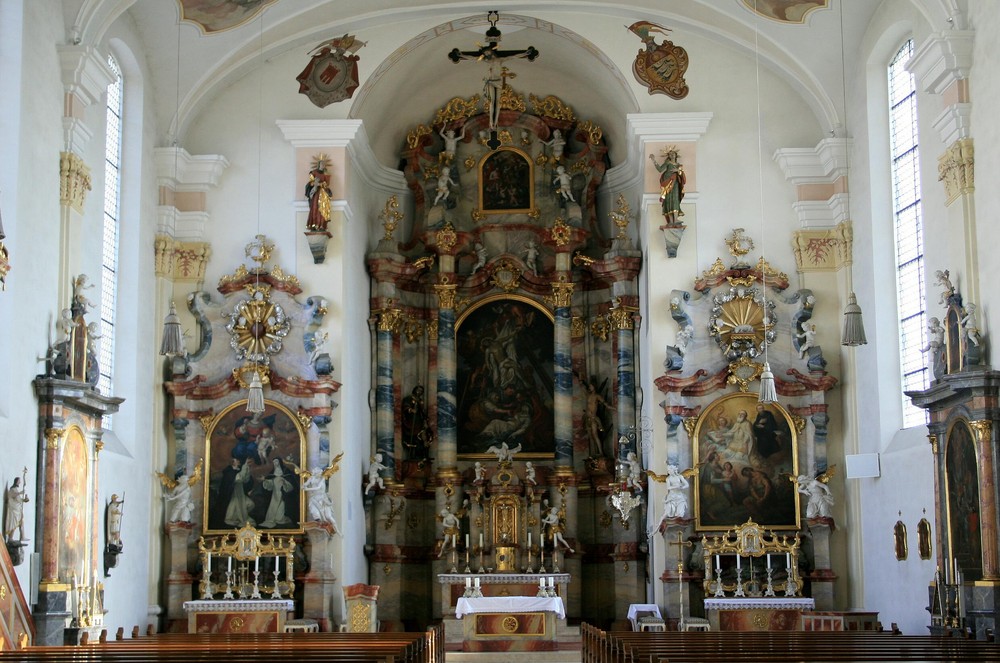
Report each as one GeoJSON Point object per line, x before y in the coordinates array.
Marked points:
{"type": "Point", "coordinates": [510, 623]}
{"type": "Point", "coordinates": [238, 616]}
{"type": "Point", "coordinates": [757, 614]}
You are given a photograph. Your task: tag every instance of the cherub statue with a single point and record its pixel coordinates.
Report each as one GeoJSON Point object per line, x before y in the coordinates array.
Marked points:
{"type": "Point", "coordinates": [820, 500]}
{"type": "Point", "coordinates": [531, 256]}
{"type": "Point", "coordinates": [480, 472]}
{"type": "Point", "coordinates": [935, 333]}
{"type": "Point", "coordinates": [503, 453]}
{"type": "Point", "coordinates": [373, 474]}
{"type": "Point", "coordinates": [79, 298]}
{"type": "Point", "coordinates": [481, 256]}
{"type": "Point", "coordinates": [529, 473]}
{"type": "Point", "coordinates": [565, 184]}
{"type": "Point", "coordinates": [452, 526]}
{"type": "Point", "coordinates": [557, 143]}
{"type": "Point", "coordinates": [970, 324]}
{"type": "Point", "coordinates": [684, 337]}
{"type": "Point", "coordinates": [634, 469]}
{"type": "Point", "coordinates": [320, 505]}
{"type": "Point", "coordinates": [444, 180]}
{"type": "Point", "coordinates": [179, 492]}
{"type": "Point", "coordinates": [450, 144]}
{"type": "Point", "coordinates": [319, 343]}
{"type": "Point", "coordinates": [808, 337]}
{"type": "Point", "coordinates": [944, 280]}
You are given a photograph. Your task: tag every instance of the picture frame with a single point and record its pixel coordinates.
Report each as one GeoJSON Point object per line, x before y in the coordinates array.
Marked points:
{"type": "Point", "coordinates": [962, 504]}
{"type": "Point", "coordinates": [506, 182]}
{"type": "Point", "coordinates": [506, 378]}
{"type": "Point", "coordinates": [249, 474]}
{"type": "Point", "coordinates": [746, 465]}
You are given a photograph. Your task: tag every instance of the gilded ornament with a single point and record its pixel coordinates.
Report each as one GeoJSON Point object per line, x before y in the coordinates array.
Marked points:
{"type": "Point", "coordinates": [798, 423]}
{"type": "Point", "coordinates": [541, 160]}
{"type": "Point", "coordinates": [739, 323]}
{"type": "Point", "coordinates": [390, 217]}
{"type": "Point", "coordinates": [551, 106]}
{"type": "Point", "coordinates": [432, 330]}
{"type": "Point", "coordinates": [983, 429]}
{"type": "Point", "coordinates": [470, 163]}
{"type": "Point", "coordinates": [240, 274]}
{"type": "Point", "coordinates": [933, 440]}
{"type": "Point", "coordinates": [98, 447]}
{"type": "Point", "coordinates": [716, 269]}
{"type": "Point", "coordinates": [390, 319]}
{"type": "Point", "coordinates": [477, 215]}
{"type": "Point", "coordinates": [430, 172]}
{"type": "Point", "coordinates": [424, 263]}
{"type": "Point", "coordinates": [535, 214]}
{"type": "Point", "coordinates": [505, 137]}
{"type": "Point", "coordinates": [456, 109]}
{"type": "Point", "coordinates": [240, 374]}
{"type": "Point", "coordinates": [446, 238]}
{"type": "Point", "coordinates": [690, 423]}
{"type": "Point", "coordinates": [622, 316]}
{"type": "Point", "coordinates": [305, 419]}
{"type": "Point", "coordinates": [593, 131]}
{"type": "Point", "coordinates": [52, 437]}
{"type": "Point", "coordinates": [560, 232]}
{"type": "Point", "coordinates": [279, 275]}
{"type": "Point", "coordinates": [413, 329]}
{"type": "Point", "coordinates": [257, 326]}
{"type": "Point", "coordinates": [620, 216]}
{"type": "Point", "coordinates": [742, 372]}
{"type": "Point", "coordinates": [259, 250]}
{"type": "Point", "coordinates": [770, 272]}
{"type": "Point", "coordinates": [739, 244]}
{"type": "Point", "coordinates": [605, 519]}
{"type": "Point", "coordinates": [208, 419]}
{"type": "Point", "coordinates": [577, 327]}
{"type": "Point", "coordinates": [414, 136]}
{"type": "Point", "coordinates": [506, 275]}
{"type": "Point", "coordinates": [395, 508]}
{"type": "Point", "coordinates": [581, 260]}
{"type": "Point", "coordinates": [446, 295]}
{"type": "Point", "coordinates": [510, 100]}
{"type": "Point", "coordinates": [600, 328]}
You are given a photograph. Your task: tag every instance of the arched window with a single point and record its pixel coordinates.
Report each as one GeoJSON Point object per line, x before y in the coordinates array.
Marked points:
{"type": "Point", "coordinates": [112, 206]}
{"type": "Point", "coordinates": [909, 234]}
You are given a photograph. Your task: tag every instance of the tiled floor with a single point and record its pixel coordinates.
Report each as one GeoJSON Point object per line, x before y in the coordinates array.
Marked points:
{"type": "Point", "coordinates": [514, 657]}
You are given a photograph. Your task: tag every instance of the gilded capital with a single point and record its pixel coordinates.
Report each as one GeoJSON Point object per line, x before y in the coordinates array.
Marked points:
{"type": "Point", "coordinates": [446, 295]}
{"type": "Point", "coordinates": [163, 255]}
{"type": "Point", "coordinates": [983, 430]}
{"type": "Point", "coordinates": [622, 316]}
{"type": "Point", "coordinates": [956, 168]}
{"type": "Point", "coordinates": [53, 436]}
{"type": "Point", "coordinates": [74, 180]}
{"type": "Point", "coordinates": [389, 320]}
{"type": "Point", "coordinates": [562, 294]}
{"type": "Point", "coordinates": [98, 447]}
{"type": "Point", "coordinates": [933, 439]}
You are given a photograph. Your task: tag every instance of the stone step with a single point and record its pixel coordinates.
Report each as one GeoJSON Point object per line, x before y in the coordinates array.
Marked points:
{"type": "Point", "coordinates": [514, 657]}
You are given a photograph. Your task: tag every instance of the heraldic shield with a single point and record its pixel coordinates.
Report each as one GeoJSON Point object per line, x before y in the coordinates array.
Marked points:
{"type": "Point", "coordinates": [660, 67]}
{"type": "Point", "coordinates": [332, 73]}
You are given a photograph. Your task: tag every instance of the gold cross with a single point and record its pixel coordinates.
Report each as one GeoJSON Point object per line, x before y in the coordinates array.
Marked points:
{"type": "Point", "coordinates": [680, 543]}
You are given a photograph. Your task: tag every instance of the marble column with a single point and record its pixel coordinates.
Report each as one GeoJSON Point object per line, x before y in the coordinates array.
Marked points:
{"type": "Point", "coordinates": [623, 322]}
{"type": "Point", "coordinates": [319, 588]}
{"type": "Point", "coordinates": [447, 384]}
{"type": "Point", "coordinates": [562, 293]}
{"type": "Point", "coordinates": [389, 320]}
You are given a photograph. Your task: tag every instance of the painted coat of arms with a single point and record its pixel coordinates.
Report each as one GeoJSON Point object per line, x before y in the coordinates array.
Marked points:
{"type": "Point", "coordinates": [332, 73]}
{"type": "Point", "coordinates": [660, 67]}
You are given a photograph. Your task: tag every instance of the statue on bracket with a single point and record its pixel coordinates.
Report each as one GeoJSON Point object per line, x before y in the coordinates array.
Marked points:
{"type": "Point", "coordinates": [13, 523]}
{"type": "Point", "coordinates": [820, 499]}
{"type": "Point", "coordinates": [114, 544]}
{"type": "Point", "coordinates": [315, 488]}
{"type": "Point", "coordinates": [675, 500]}
{"type": "Point", "coordinates": [179, 493]}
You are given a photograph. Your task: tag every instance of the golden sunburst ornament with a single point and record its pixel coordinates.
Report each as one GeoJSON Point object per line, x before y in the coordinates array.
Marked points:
{"type": "Point", "coordinates": [257, 327]}
{"type": "Point", "coordinates": [739, 323]}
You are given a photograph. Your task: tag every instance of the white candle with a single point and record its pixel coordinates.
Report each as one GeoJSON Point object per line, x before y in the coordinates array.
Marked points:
{"type": "Point", "coordinates": [477, 583]}
{"type": "Point", "coordinates": [466, 540]}
{"type": "Point", "coordinates": [480, 539]}
{"type": "Point", "coordinates": [541, 583]}
{"type": "Point", "coordinates": [209, 562]}
{"type": "Point", "coordinates": [529, 539]}
{"type": "Point", "coordinates": [718, 566]}
{"type": "Point", "coordinates": [468, 582]}
{"type": "Point", "coordinates": [552, 582]}
{"type": "Point", "coordinates": [788, 561]}
{"type": "Point", "coordinates": [256, 565]}
{"type": "Point", "coordinates": [229, 566]}
{"type": "Point", "coordinates": [738, 557]}
{"type": "Point", "coordinates": [769, 561]}
{"type": "Point", "coordinates": [277, 564]}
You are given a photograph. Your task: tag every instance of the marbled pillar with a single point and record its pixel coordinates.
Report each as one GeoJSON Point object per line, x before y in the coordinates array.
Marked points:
{"type": "Point", "coordinates": [388, 323]}
{"type": "Point", "coordinates": [50, 545]}
{"type": "Point", "coordinates": [623, 323]}
{"type": "Point", "coordinates": [563, 397]}
{"type": "Point", "coordinates": [987, 496]}
{"type": "Point", "coordinates": [447, 384]}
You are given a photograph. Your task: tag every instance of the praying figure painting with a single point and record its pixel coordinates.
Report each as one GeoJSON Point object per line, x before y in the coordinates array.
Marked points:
{"type": "Point", "coordinates": [745, 454]}
{"type": "Point", "coordinates": [251, 470]}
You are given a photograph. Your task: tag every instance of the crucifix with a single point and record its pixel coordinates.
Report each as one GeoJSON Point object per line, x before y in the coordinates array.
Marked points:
{"type": "Point", "coordinates": [680, 543]}
{"type": "Point", "coordinates": [493, 85]}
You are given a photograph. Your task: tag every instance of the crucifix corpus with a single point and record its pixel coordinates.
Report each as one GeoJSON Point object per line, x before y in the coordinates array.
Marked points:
{"type": "Point", "coordinates": [494, 84]}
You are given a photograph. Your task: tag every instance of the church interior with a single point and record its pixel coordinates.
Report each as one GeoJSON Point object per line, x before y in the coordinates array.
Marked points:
{"type": "Point", "coordinates": [664, 315]}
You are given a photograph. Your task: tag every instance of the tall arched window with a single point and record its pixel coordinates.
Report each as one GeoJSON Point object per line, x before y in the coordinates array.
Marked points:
{"type": "Point", "coordinates": [112, 205]}
{"type": "Point", "coordinates": [909, 234]}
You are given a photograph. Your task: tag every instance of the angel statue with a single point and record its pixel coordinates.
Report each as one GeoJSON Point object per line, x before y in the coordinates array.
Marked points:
{"type": "Point", "coordinates": [452, 526]}
{"type": "Point", "coordinates": [503, 453]}
{"type": "Point", "coordinates": [314, 486]}
{"type": "Point", "coordinates": [179, 492]}
{"type": "Point", "coordinates": [820, 500]}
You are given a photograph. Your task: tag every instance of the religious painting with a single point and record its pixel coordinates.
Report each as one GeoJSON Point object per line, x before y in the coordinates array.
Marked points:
{"type": "Point", "coordinates": [899, 541]}
{"type": "Point", "coordinates": [506, 378]}
{"type": "Point", "coordinates": [505, 182]}
{"type": "Point", "coordinates": [962, 479]}
{"type": "Point", "coordinates": [250, 477]}
{"type": "Point", "coordinates": [785, 11]}
{"type": "Point", "coordinates": [746, 458]}
{"type": "Point", "coordinates": [218, 15]}
{"type": "Point", "coordinates": [73, 506]}
{"type": "Point", "coordinates": [924, 539]}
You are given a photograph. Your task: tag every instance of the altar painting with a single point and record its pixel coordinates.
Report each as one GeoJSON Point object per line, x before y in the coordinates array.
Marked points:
{"type": "Point", "coordinates": [505, 179]}
{"type": "Point", "coordinates": [963, 500]}
{"type": "Point", "coordinates": [250, 476]}
{"type": "Point", "coordinates": [746, 456]}
{"type": "Point", "coordinates": [506, 378]}
{"type": "Point", "coordinates": [73, 506]}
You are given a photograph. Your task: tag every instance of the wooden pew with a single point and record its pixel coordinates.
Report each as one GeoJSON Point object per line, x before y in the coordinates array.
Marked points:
{"type": "Point", "coordinates": [424, 647]}
{"type": "Point", "coordinates": [777, 646]}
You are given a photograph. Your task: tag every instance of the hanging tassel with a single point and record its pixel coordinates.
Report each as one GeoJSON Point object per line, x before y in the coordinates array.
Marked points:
{"type": "Point", "coordinates": [768, 394]}
{"type": "Point", "coordinates": [854, 326]}
{"type": "Point", "coordinates": [255, 401]}
{"type": "Point", "coordinates": [172, 344]}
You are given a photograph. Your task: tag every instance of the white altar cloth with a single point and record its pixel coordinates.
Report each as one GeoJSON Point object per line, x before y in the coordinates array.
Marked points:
{"type": "Point", "coordinates": [468, 606]}
{"type": "Point", "coordinates": [777, 603]}
{"type": "Point", "coordinates": [239, 605]}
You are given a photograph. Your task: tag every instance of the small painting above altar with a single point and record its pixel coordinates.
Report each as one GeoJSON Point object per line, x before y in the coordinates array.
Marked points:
{"type": "Point", "coordinates": [505, 181]}
{"type": "Point", "coordinates": [251, 469]}
{"type": "Point", "coordinates": [746, 454]}
{"type": "Point", "coordinates": [505, 378]}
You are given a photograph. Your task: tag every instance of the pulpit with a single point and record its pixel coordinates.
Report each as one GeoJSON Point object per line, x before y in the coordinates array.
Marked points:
{"type": "Point", "coordinates": [362, 608]}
